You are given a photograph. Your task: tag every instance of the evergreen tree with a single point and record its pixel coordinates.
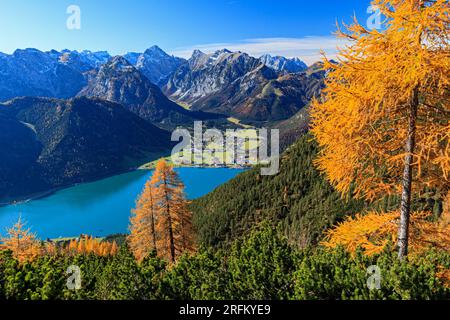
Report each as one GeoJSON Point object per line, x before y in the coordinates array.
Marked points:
{"type": "Point", "coordinates": [383, 121]}
{"type": "Point", "coordinates": [142, 238]}
{"type": "Point", "coordinates": [21, 242]}
{"type": "Point", "coordinates": [173, 223]}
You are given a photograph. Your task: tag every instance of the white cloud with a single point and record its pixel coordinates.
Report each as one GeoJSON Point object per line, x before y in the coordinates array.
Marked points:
{"type": "Point", "coordinates": [306, 48]}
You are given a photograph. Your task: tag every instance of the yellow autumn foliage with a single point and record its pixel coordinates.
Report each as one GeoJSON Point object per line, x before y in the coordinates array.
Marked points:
{"type": "Point", "coordinates": [373, 231]}
{"type": "Point", "coordinates": [361, 120]}
{"type": "Point", "coordinates": [89, 245]}
{"type": "Point", "coordinates": [26, 247]}
{"type": "Point", "coordinates": [161, 220]}
{"type": "Point", "coordinates": [22, 243]}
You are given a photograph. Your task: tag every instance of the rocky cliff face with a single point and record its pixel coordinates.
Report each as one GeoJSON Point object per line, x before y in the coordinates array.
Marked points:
{"type": "Point", "coordinates": [241, 86]}
{"type": "Point", "coordinates": [207, 82]}
{"type": "Point", "coordinates": [206, 75]}
{"type": "Point", "coordinates": [155, 64]}
{"type": "Point", "coordinates": [121, 82]}
{"type": "Point", "coordinates": [282, 64]}
{"type": "Point", "coordinates": [31, 72]}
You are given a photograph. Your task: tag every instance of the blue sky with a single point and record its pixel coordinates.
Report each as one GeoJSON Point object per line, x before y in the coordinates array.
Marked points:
{"type": "Point", "coordinates": [288, 27]}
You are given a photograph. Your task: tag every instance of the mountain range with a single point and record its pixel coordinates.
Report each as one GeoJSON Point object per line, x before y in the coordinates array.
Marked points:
{"type": "Point", "coordinates": [238, 85]}
{"type": "Point", "coordinates": [75, 116]}
{"type": "Point", "coordinates": [282, 64]}
{"type": "Point", "coordinates": [32, 72]}
{"type": "Point", "coordinates": [119, 81]}
{"type": "Point", "coordinates": [155, 64]}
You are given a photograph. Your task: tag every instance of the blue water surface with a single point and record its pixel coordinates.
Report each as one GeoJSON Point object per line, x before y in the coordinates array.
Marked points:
{"type": "Point", "coordinates": [103, 207]}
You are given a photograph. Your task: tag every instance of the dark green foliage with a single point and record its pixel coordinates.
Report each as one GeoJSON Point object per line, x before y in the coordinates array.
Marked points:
{"type": "Point", "coordinates": [263, 266]}
{"type": "Point", "coordinates": [337, 275]}
{"type": "Point", "coordinates": [260, 266]}
{"type": "Point", "coordinates": [70, 141]}
{"type": "Point", "coordinates": [201, 276]}
{"type": "Point", "coordinates": [298, 197]}
{"type": "Point", "coordinates": [119, 238]}
{"type": "Point", "coordinates": [124, 279]}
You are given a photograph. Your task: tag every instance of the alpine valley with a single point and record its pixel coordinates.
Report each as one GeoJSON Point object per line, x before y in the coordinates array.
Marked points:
{"type": "Point", "coordinates": [76, 116]}
{"type": "Point", "coordinates": [351, 204]}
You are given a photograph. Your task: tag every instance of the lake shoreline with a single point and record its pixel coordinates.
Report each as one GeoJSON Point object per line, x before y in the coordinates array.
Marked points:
{"type": "Point", "coordinates": [103, 207]}
{"type": "Point", "coordinates": [47, 193]}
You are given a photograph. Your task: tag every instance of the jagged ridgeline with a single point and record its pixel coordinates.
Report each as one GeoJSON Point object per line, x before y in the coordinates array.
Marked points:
{"type": "Point", "coordinates": [298, 199]}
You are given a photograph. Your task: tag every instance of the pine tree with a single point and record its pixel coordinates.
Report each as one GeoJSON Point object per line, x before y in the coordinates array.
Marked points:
{"type": "Point", "coordinates": [383, 121]}
{"type": "Point", "coordinates": [22, 243]}
{"type": "Point", "coordinates": [142, 238]}
{"type": "Point", "coordinates": [374, 231]}
{"type": "Point", "coordinates": [114, 249]}
{"type": "Point", "coordinates": [174, 220]}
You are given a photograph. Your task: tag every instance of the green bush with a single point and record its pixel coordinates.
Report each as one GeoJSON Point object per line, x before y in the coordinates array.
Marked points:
{"type": "Point", "coordinates": [261, 265]}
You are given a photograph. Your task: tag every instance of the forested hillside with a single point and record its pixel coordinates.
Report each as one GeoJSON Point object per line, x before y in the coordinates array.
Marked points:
{"type": "Point", "coordinates": [54, 143]}
{"type": "Point", "coordinates": [249, 233]}
{"type": "Point", "coordinates": [298, 197]}
{"type": "Point", "coordinates": [298, 200]}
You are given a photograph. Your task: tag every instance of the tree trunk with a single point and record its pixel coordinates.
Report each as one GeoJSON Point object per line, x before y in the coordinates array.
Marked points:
{"type": "Point", "coordinates": [169, 222]}
{"type": "Point", "coordinates": [405, 207]}
{"type": "Point", "coordinates": [153, 224]}
{"type": "Point", "coordinates": [172, 243]}
{"type": "Point", "coordinates": [154, 233]}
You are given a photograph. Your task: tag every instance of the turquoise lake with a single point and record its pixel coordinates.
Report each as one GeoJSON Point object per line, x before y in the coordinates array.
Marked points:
{"type": "Point", "coordinates": [103, 207]}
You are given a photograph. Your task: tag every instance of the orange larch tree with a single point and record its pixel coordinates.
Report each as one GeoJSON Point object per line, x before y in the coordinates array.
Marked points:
{"type": "Point", "coordinates": [373, 231]}
{"type": "Point", "coordinates": [161, 220]}
{"type": "Point", "coordinates": [113, 250]}
{"type": "Point", "coordinates": [173, 223]}
{"type": "Point", "coordinates": [22, 243]}
{"type": "Point", "coordinates": [142, 238]}
{"type": "Point", "coordinates": [383, 120]}
{"type": "Point", "coordinates": [89, 245]}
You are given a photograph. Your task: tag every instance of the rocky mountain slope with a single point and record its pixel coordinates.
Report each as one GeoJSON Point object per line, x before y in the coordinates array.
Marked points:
{"type": "Point", "coordinates": [280, 98]}
{"type": "Point", "coordinates": [50, 143]}
{"type": "Point", "coordinates": [282, 64]}
{"type": "Point", "coordinates": [81, 61]}
{"type": "Point", "coordinates": [61, 74]}
{"type": "Point", "coordinates": [31, 72]}
{"type": "Point", "coordinates": [291, 129]}
{"type": "Point", "coordinates": [121, 82]}
{"type": "Point", "coordinates": [224, 82]}
{"type": "Point", "coordinates": [155, 64]}
{"type": "Point", "coordinates": [238, 85]}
